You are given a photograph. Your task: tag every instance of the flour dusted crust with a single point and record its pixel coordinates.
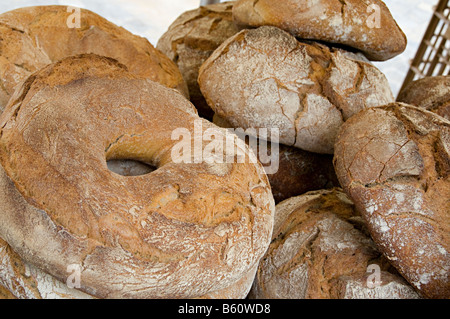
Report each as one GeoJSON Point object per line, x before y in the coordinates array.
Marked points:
{"type": "Point", "coordinates": [182, 231]}
{"type": "Point", "coordinates": [24, 281]}
{"type": "Point", "coordinates": [394, 163]}
{"type": "Point", "coordinates": [33, 37]}
{"type": "Point", "coordinates": [321, 250]}
{"type": "Point", "coordinates": [192, 38]}
{"type": "Point", "coordinates": [353, 23]}
{"type": "Point", "coordinates": [265, 78]}
{"type": "Point", "coordinates": [431, 93]}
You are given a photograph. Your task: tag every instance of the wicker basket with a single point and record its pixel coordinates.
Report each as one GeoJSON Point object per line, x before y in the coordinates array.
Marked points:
{"type": "Point", "coordinates": [433, 55]}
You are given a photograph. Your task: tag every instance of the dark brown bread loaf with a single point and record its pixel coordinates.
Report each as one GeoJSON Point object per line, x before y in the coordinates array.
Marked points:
{"type": "Point", "coordinates": [394, 162]}
{"type": "Point", "coordinates": [321, 250]}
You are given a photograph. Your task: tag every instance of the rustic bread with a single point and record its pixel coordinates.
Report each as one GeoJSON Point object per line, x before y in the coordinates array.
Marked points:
{"type": "Point", "coordinates": [24, 281]}
{"type": "Point", "coordinates": [431, 93]}
{"type": "Point", "coordinates": [394, 162]}
{"type": "Point", "coordinates": [366, 26]}
{"type": "Point", "coordinates": [33, 37]}
{"type": "Point", "coordinates": [183, 231]}
{"type": "Point", "coordinates": [192, 38]}
{"type": "Point", "coordinates": [321, 250]}
{"type": "Point", "coordinates": [265, 78]}
{"type": "Point", "coordinates": [291, 171]}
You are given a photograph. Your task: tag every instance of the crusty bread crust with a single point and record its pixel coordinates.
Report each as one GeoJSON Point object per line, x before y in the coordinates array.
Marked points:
{"type": "Point", "coordinates": [321, 250]}
{"type": "Point", "coordinates": [431, 93]}
{"type": "Point", "coordinates": [394, 162]}
{"type": "Point", "coordinates": [265, 78]}
{"type": "Point", "coordinates": [182, 231]}
{"type": "Point", "coordinates": [353, 23]}
{"type": "Point", "coordinates": [297, 171]}
{"type": "Point", "coordinates": [192, 38]}
{"type": "Point", "coordinates": [33, 37]}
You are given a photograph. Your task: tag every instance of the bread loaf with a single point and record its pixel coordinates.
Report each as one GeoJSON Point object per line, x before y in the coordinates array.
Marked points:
{"type": "Point", "coordinates": [321, 250]}
{"type": "Point", "coordinates": [431, 93]}
{"type": "Point", "coordinates": [394, 162]}
{"type": "Point", "coordinates": [24, 281]}
{"type": "Point", "coordinates": [185, 230]}
{"type": "Point", "coordinates": [33, 37]}
{"type": "Point", "coordinates": [363, 25]}
{"type": "Point", "coordinates": [192, 38]}
{"type": "Point", "coordinates": [265, 78]}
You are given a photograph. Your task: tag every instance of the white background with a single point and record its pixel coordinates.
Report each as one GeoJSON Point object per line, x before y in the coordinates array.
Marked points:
{"type": "Point", "coordinates": [151, 18]}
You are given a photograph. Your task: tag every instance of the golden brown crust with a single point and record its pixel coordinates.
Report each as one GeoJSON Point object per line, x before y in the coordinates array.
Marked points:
{"type": "Point", "coordinates": [351, 22]}
{"type": "Point", "coordinates": [33, 37]}
{"type": "Point", "coordinates": [394, 163]}
{"type": "Point", "coordinates": [184, 230]}
{"type": "Point", "coordinates": [24, 281]}
{"type": "Point", "coordinates": [192, 38]}
{"type": "Point", "coordinates": [431, 93]}
{"type": "Point", "coordinates": [265, 78]}
{"type": "Point", "coordinates": [321, 250]}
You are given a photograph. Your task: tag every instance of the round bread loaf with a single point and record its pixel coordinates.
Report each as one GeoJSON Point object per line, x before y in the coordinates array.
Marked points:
{"type": "Point", "coordinates": [33, 37]}
{"type": "Point", "coordinates": [431, 93]}
{"type": "Point", "coordinates": [265, 78]}
{"type": "Point", "coordinates": [394, 162]}
{"type": "Point", "coordinates": [321, 250]}
{"type": "Point", "coordinates": [184, 230]}
{"type": "Point", "coordinates": [192, 38]}
{"type": "Point", "coordinates": [366, 26]}
{"type": "Point", "coordinates": [291, 171]}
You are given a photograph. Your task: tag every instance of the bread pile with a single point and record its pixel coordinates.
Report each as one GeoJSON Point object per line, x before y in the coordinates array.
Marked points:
{"type": "Point", "coordinates": [88, 176]}
{"type": "Point", "coordinates": [304, 67]}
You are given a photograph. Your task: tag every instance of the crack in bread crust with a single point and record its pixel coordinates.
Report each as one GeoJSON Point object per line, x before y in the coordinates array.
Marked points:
{"type": "Point", "coordinates": [405, 200]}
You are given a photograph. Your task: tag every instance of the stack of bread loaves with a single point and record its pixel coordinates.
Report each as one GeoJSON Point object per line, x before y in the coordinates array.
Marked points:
{"type": "Point", "coordinates": [303, 68]}
{"type": "Point", "coordinates": [95, 203]}
{"type": "Point", "coordinates": [72, 228]}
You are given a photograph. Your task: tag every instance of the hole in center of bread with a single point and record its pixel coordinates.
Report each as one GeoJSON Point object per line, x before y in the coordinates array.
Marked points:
{"type": "Point", "coordinates": [130, 167]}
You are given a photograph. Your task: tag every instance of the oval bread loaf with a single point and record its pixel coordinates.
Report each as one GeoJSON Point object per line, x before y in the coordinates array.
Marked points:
{"type": "Point", "coordinates": [394, 162]}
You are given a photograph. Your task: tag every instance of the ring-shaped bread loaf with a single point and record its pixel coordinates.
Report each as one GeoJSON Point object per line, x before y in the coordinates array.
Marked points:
{"type": "Point", "coordinates": [184, 230]}
{"type": "Point", "coordinates": [33, 37]}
